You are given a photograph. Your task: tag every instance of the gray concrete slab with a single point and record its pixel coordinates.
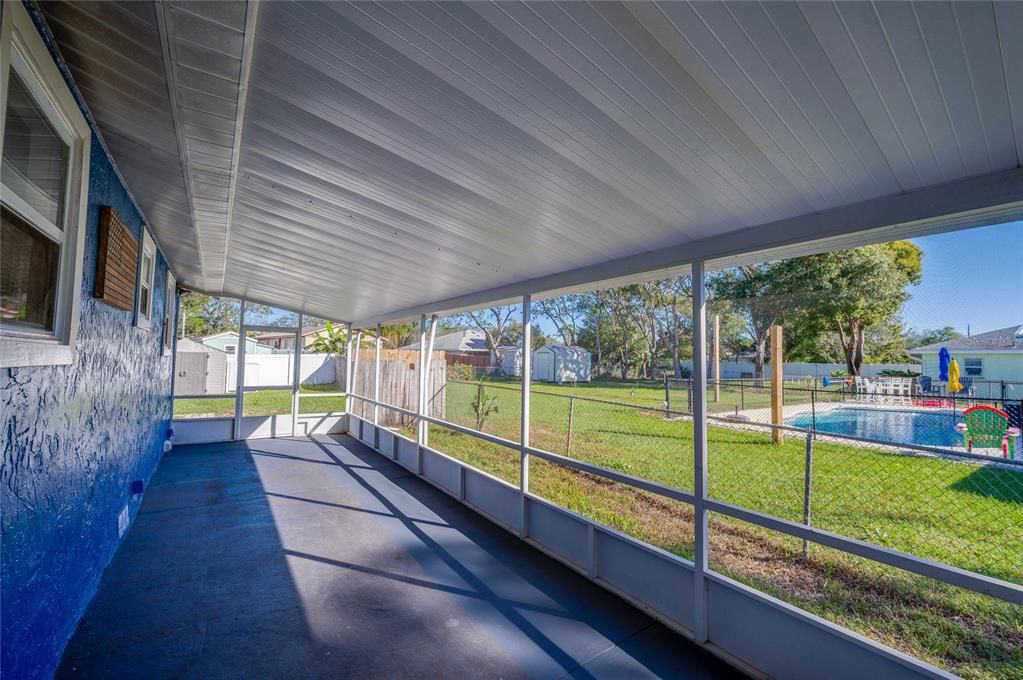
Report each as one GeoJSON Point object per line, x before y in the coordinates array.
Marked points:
{"type": "Point", "coordinates": [317, 557]}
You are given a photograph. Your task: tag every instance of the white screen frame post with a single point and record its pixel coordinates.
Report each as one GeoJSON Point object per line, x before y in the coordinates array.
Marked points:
{"type": "Point", "coordinates": [527, 379]}
{"type": "Point", "coordinates": [699, 385]}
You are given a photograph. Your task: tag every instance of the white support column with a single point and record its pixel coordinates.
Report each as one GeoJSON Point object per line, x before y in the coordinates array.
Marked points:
{"type": "Point", "coordinates": [355, 369]}
{"type": "Point", "coordinates": [427, 380]}
{"type": "Point", "coordinates": [527, 376]}
{"type": "Point", "coordinates": [348, 369]}
{"type": "Point", "coordinates": [297, 378]}
{"type": "Point", "coordinates": [420, 401]}
{"type": "Point", "coordinates": [239, 382]}
{"type": "Point", "coordinates": [699, 383]}
{"type": "Point", "coordinates": [376, 379]}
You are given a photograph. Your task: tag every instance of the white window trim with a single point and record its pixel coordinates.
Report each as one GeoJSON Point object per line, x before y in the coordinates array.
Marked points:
{"type": "Point", "coordinates": [147, 246]}
{"type": "Point", "coordinates": [170, 317]}
{"type": "Point", "coordinates": [22, 48]}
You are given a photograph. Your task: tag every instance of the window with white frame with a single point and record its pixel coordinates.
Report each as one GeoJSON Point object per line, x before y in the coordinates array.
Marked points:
{"type": "Point", "coordinates": [44, 178]}
{"type": "Point", "coordinates": [168, 315]}
{"type": "Point", "coordinates": [147, 273]}
{"type": "Point", "coordinates": [973, 367]}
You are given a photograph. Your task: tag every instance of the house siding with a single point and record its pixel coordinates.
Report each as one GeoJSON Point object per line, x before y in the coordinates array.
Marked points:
{"type": "Point", "coordinates": [73, 438]}
{"type": "Point", "coordinates": [997, 366]}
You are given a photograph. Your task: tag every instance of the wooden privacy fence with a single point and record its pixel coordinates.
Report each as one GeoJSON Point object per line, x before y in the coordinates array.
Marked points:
{"type": "Point", "coordinates": [399, 384]}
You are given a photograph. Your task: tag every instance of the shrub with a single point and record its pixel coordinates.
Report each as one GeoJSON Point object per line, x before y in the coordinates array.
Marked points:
{"type": "Point", "coordinates": [462, 372]}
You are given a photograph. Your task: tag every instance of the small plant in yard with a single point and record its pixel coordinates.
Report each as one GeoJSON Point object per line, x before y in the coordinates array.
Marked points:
{"type": "Point", "coordinates": [483, 405]}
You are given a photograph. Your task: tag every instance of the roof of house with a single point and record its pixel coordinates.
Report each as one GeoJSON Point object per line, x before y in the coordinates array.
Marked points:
{"type": "Point", "coordinates": [308, 330]}
{"type": "Point", "coordinates": [459, 341]}
{"type": "Point", "coordinates": [222, 334]}
{"type": "Point", "coordinates": [1008, 339]}
{"type": "Point", "coordinates": [568, 350]}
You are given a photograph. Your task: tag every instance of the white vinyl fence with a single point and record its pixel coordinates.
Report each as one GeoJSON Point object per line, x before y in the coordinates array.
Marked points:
{"type": "Point", "coordinates": [273, 370]}
{"type": "Point", "coordinates": [733, 370]}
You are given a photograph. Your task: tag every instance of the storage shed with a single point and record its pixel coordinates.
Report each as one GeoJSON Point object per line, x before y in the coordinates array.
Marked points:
{"type": "Point", "coordinates": [509, 360]}
{"type": "Point", "coordinates": [561, 363]}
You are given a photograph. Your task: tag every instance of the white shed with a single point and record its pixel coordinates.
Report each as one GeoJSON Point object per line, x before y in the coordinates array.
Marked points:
{"type": "Point", "coordinates": [509, 360]}
{"type": "Point", "coordinates": [561, 364]}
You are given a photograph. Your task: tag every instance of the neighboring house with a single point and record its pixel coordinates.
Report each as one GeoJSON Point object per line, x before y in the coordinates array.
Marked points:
{"type": "Point", "coordinates": [561, 364]}
{"type": "Point", "coordinates": [992, 356]}
{"type": "Point", "coordinates": [462, 347]}
{"type": "Point", "coordinates": [286, 339]}
{"type": "Point", "coordinates": [228, 342]}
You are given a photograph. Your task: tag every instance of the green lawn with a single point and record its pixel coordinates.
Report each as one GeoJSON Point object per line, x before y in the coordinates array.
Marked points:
{"type": "Point", "coordinates": [962, 514]}
{"type": "Point", "coordinates": [263, 403]}
{"type": "Point", "coordinates": [730, 397]}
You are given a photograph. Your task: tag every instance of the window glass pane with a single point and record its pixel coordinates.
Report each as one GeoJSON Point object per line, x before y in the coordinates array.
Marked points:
{"type": "Point", "coordinates": [144, 301]}
{"type": "Point", "coordinates": [29, 265]}
{"type": "Point", "coordinates": [35, 158]}
{"type": "Point", "coordinates": [147, 269]}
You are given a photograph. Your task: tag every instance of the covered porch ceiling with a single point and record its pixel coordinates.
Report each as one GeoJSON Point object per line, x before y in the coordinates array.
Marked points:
{"type": "Point", "coordinates": [372, 161]}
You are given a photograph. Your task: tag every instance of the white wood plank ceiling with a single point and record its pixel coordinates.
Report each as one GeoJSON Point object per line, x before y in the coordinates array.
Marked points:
{"type": "Point", "coordinates": [356, 160]}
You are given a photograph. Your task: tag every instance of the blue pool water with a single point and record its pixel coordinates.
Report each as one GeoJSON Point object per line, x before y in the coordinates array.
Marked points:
{"type": "Point", "coordinates": [899, 427]}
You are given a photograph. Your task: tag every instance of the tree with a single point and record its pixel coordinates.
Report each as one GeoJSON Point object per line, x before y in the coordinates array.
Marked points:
{"type": "Point", "coordinates": [203, 315]}
{"type": "Point", "coordinates": [850, 292]}
{"type": "Point", "coordinates": [566, 313]}
{"type": "Point", "coordinates": [400, 334]}
{"type": "Point", "coordinates": [931, 336]}
{"type": "Point", "coordinates": [676, 296]}
{"type": "Point", "coordinates": [495, 322]}
{"type": "Point", "coordinates": [333, 341]}
{"type": "Point", "coordinates": [760, 294]}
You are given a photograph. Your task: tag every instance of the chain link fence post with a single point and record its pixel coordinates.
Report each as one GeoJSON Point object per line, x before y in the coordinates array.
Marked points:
{"type": "Point", "coordinates": [807, 481]}
{"type": "Point", "coordinates": [571, 417]}
{"type": "Point", "coordinates": [667, 397]}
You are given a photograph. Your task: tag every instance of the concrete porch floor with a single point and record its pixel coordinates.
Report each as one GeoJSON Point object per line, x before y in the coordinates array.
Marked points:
{"type": "Point", "coordinates": [317, 557]}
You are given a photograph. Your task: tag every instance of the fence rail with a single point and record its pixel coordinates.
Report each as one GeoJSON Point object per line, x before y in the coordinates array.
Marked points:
{"type": "Point", "coordinates": [931, 527]}
{"type": "Point", "coordinates": [947, 573]}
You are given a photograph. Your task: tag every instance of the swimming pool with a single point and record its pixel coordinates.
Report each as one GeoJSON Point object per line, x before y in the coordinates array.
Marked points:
{"type": "Point", "coordinates": [927, 428]}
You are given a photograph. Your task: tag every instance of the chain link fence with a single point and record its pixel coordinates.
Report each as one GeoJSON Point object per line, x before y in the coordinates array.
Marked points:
{"type": "Point", "coordinates": [937, 502]}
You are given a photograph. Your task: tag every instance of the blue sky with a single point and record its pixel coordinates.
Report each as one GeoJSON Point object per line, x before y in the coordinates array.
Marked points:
{"type": "Point", "coordinates": [972, 277]}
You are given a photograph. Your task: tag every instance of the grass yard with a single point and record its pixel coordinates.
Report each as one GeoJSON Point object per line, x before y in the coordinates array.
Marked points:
{"type": "Point", "coordinates": [651, 393]}
{"type": "Point", "coordinates": [263, 403]}
{"type": "Point", "coordinates": [962, 514]}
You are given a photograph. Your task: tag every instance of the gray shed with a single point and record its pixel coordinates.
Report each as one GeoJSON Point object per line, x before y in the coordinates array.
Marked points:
{"type": "Point", "coordinates": [509, 360]}
{"type": "Point", "coordinates": [561, 364]}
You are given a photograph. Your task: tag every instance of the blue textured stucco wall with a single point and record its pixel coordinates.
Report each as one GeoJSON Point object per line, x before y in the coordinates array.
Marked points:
{"type": "Point", "coordinates": [73, 439]}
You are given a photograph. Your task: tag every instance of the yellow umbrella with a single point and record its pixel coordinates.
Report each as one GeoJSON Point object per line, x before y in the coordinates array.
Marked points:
{"type": "Point", "coordinates": [954, 385]}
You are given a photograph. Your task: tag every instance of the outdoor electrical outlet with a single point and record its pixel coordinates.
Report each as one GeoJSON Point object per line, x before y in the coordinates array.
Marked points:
{"type": "Point", "coordinates": [122, 522]}
{"type": "Point", "coordinates": [167, 445]}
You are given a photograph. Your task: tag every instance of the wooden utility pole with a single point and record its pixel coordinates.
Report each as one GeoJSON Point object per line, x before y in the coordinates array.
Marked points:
{"type": "Point", "coordinates": [717, 357]}
{"type": "Point", "coordinates": [777, 404]}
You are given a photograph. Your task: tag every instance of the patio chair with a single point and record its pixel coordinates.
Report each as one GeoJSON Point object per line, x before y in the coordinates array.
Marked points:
{"type": "Point", "coordinates": [903, 390]}
{"type": "Point", "coordinates": [967, 384]}
{"type": "Point", "coordinates": [988, 428]}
